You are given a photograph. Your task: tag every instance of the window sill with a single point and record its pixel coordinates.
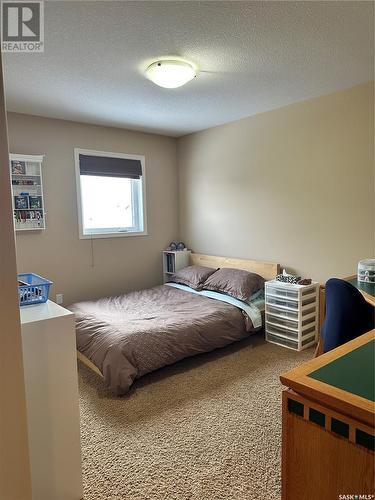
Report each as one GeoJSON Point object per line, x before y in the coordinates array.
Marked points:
{"type": "Point", "coordinates": [112, 235]}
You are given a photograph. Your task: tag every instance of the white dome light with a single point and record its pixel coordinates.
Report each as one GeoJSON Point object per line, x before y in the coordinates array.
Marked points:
{"type": "Point", "coordinates": [170, 73]}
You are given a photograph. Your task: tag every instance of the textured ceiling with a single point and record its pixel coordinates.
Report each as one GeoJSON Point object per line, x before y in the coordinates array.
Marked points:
{"type": "Point", "coordinates": [253, 57]}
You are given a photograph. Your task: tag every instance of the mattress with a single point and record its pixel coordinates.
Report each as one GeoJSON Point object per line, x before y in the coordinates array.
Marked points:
{"type": "Point", "coordinates": [133, 334]}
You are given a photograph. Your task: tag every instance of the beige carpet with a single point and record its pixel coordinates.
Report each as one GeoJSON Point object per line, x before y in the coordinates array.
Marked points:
{"type": "Point", "coordinates": [207, 428]}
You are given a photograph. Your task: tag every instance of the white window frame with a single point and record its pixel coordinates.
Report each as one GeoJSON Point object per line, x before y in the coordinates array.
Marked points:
{"type": "Point", "coordinates": [117, 234]}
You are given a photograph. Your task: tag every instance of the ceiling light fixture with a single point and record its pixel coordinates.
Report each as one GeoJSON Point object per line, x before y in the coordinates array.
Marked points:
{"type": "Point", "coordinates": [171, 73]}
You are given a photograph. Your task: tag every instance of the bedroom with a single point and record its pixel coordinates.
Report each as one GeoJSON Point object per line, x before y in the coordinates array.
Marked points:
{"type": "Point", "coordinates": [266, 157]}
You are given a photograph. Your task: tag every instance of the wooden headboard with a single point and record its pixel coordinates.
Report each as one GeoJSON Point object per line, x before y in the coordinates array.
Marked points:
{"type": "Point", "coordinates": [268, 270]}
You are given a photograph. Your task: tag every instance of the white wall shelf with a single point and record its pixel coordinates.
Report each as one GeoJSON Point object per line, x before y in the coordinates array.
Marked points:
{"type": "Point", "coordinates": [292, 313]}
{"type": "Point", "coordinates": [27, 192]}
{"type": "Point", "coordinates": [173, 261]}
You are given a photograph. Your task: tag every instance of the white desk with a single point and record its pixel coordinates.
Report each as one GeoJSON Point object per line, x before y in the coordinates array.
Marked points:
{"type": "Point", "coordinates": [49, 355]}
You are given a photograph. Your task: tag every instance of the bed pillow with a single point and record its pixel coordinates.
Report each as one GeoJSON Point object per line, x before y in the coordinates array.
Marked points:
{"type": "Point", "coordinates": [235, 282]}
{"type": "Point", "coordinates": [193, 276]}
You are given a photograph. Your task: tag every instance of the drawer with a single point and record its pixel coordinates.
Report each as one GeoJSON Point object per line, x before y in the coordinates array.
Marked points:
{"type": "Point", "coordinates": [290, 292]}
{"type": "Point", "coordinates": [309, 329]}
{"type": "Point", "coordinates": [309, 291]}
{"type": "Point", "coordinates": [292, 344]}
{"type": "Point", "coordinates": [309, 300]}
{"type": "Point", "coordinates": [309, 311]}
{"type": "Point", "coordinates": [308, 326]}
{"type": "Point", "coordinates": [308, 341]}
{"type": "Point", "coordinates": [308, 321]}
{"type": "Point", "coordinates": [281, 313]}
{"type": "Point", "coordinates": [279, 330]}
{"type": "Point", "coordinates": [283, 322]}
{"type": "Point", "coordinates": [282, 292]}
{"type": "Point", "coordinates": [287, 304]}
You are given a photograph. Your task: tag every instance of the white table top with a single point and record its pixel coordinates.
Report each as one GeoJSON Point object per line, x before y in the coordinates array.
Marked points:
{"type": "Point", "coordinates": [42, 312]}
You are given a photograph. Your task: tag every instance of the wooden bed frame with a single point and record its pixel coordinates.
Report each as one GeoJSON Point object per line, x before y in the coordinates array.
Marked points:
{"type": "Point", "coordinates": [268, 270]}
{"type": "Point", "coordinates": [81, 357]}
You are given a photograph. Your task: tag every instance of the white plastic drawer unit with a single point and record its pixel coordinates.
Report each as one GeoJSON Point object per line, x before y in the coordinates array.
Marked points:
{"type": "Point", "coordinates": [292, 314]}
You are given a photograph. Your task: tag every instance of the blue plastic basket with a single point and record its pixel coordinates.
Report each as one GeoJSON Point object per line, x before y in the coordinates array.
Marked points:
{"type": "Point", "coordinates": [34, 291]}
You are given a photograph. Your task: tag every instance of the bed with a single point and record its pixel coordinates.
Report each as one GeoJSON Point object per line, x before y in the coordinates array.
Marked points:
{"type": "Point", "coordinates": [123, 338]}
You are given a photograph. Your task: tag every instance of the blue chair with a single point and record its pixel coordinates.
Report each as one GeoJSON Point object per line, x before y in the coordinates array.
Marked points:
{"type": "Point", "coordinates": [348, 315]}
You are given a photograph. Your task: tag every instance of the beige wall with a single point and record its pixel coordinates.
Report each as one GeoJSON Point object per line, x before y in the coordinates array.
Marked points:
{"type": "Point", "coordinates": [14, 457]}
{"type": "Point", "coordinates": [293, 185]}
{"type": "Point", "coordinates": [120, 264]}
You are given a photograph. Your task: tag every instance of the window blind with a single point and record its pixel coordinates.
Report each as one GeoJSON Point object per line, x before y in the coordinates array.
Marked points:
{"type": "Point", "coordinates": [106, 166]}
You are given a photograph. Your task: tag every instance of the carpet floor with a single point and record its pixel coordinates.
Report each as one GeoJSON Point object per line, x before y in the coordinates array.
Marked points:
{"type": "Point", "coordinates": [206, 428]}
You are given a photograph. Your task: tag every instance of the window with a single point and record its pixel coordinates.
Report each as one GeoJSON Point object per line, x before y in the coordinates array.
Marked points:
{"type": "Point", "coordinates": [111, 194]}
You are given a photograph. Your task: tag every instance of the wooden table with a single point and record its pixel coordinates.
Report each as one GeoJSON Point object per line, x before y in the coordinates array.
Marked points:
{"type": "Point", "coordinates": [328, 424]}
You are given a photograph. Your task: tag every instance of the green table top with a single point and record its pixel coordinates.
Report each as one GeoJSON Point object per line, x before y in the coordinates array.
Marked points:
{"type": "Point", "coordinates": [353, 372]}
{"type": "Point", "coordinates": [366, 287]}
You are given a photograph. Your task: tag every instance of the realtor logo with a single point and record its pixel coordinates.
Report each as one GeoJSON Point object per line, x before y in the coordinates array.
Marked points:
{"type": "Point", "coordinates": [22, 26]}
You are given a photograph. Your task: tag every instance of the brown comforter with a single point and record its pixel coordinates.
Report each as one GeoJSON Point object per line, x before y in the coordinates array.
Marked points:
{"type": "Point", "coordinates": [134, 334]}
